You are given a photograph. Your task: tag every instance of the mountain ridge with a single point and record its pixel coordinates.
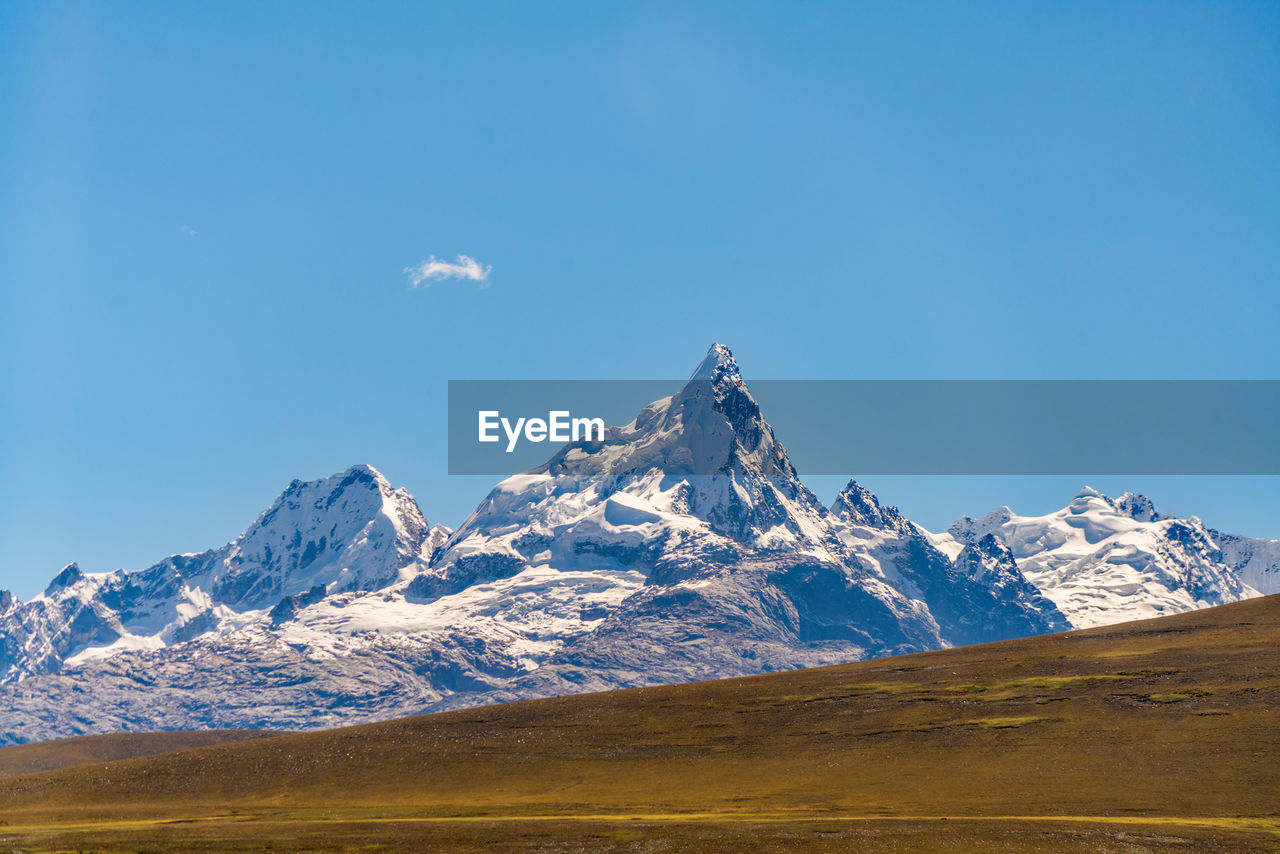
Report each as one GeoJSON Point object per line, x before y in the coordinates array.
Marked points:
{"type": "Point", "coordinates": [606, 567]}
{"type": "Point", "coordinates": [1104, 560]}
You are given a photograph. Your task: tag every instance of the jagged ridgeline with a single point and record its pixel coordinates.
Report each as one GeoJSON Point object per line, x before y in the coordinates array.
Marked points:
{"type": "Point", "coordinates": [341, 604]}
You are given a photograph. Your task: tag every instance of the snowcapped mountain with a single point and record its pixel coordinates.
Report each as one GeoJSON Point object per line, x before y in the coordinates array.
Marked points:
{"type": "Point", "coordinates": [724, 573]}
{"type": "Point", "coordinates": [1256, 561]}
{"type": "Point", "coordinates": [743, 569]}
{"type": "Point", "coordinates": [349, 532]}
{"type": "Point", "coordinates": [1104, 560]}
{"type": "Point", "coordinates": [978, 596]}
{"type": "Point", "coordinates": [681, 547]}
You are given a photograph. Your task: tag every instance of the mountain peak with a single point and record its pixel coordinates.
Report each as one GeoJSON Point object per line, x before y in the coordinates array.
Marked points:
{"type": "Point", "coordinates": [365, 468]}
{"type": "Point", "coordinates": [68, 576]}
{"type": "Point", "coordinates": [348, 531]}
{"type": "Point", "coordinates": [859, 506]}
{"type": "Point", "coordinates": [1139, 507]}
{"type": "Point", "coordinates": [967, 529]}
{"type": "Point", "coordinates": [718, 364]}
{"type": "Point", "coordinates": [711, 426]}
{"type": "Point", "coordinates": [362, 474]}
{"type": "Point", "coordinates": [1090, 500]}
{"type": "Point", "coordinates": [717, 393]}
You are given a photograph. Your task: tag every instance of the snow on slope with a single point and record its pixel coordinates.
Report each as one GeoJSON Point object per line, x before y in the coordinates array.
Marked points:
{"type": "Point", "coordinates": [744, 569]}
{"type": "Point", "coordinates": [694, 513]}
{"type": "Point", "coordinates": [348, 532]}
{"type": "Point", "coordinates": [977, 593]}
{"type": "Point", "coordinates": [1255, 561]}
{"type": "Point", "coordinates": [1106, 561]}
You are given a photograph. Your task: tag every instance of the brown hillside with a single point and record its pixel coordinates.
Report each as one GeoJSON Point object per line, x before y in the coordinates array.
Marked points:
{"type": "Point", "coordinates": [90, 749]}
{"type": "Point", "coordinates": [1164, 733]}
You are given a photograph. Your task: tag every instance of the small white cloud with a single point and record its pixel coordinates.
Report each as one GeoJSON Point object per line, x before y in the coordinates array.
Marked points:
{"type": "Point", "coordinates": [188, 230]}
{"type": "Point", "coordinates": [433, 270]}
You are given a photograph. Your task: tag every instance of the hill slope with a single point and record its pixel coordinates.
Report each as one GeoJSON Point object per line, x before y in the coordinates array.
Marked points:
{"type": "Point", "coordinates": [1161, 732]}
{"type": "Point", "coordinates": [92, 749]}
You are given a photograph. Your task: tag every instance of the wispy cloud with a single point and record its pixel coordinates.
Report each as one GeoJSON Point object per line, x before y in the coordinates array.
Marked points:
{"type": "Point", "coordinates": [188, 230]}
{"type": "Point", "coordinates": [434, 270]}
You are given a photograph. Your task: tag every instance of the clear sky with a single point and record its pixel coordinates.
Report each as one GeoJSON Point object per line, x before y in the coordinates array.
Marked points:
{"type": "Point", "coordinates": [207, 209]}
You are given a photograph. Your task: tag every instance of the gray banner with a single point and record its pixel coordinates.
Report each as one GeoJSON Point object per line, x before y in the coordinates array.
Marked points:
{"type": "Point", "coordinates": [848, 427]}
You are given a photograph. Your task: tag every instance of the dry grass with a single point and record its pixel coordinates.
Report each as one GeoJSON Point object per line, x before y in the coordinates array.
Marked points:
{"type": "Point", "coordinates": [90, 749]}
{"type": "Point", "coordinates": [1161, 735]}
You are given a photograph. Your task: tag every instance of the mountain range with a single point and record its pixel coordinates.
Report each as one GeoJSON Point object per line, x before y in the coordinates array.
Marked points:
{"type": "Point", "coordinates": [604, 568]}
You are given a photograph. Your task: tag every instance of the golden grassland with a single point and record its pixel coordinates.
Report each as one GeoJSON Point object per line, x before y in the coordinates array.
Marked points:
{"type": "Point", "coordinates": [1150, 736]}
{"type": "Point", "coordinates": [88, 749]}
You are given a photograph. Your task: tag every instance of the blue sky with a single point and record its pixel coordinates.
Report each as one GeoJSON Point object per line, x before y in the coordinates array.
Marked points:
{"type": "Point", "coordinates": [208, 208]}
